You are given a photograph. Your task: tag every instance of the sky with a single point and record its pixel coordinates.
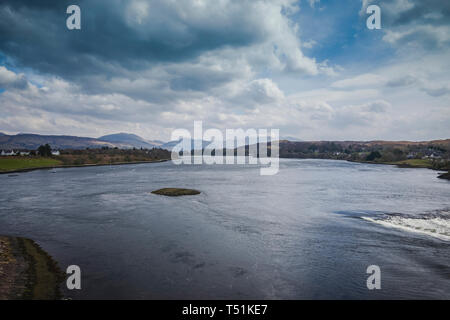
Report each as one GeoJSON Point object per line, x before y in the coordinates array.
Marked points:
{"type": "Point", "coordinates": [310, 68]}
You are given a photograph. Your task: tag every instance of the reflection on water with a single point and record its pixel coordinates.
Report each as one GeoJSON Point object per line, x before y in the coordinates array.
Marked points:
{"type": "Point", "coordinates": [308, 232]}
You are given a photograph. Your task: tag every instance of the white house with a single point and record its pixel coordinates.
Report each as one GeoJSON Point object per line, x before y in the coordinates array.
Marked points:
{"type": "Point", "coordinates": [12, 153]}
{"type": "Point", "coordinates": [56, 153]}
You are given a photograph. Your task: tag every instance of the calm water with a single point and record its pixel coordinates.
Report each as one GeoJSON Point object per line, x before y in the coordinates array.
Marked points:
{"type": "Point", "coordinates": [309, 232]}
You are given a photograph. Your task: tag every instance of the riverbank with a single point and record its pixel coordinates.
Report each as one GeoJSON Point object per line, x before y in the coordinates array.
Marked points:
{"type": "Point", "coordinates": [16, 163]}
{"type": "Point", "coordinates": [27, 271]}
{"type": "Point", "coordinates": [2, 171]}
{"type": "Point", "coordinates": [412, 163]}
{"type": "Point", "coordinates": [445, 176]}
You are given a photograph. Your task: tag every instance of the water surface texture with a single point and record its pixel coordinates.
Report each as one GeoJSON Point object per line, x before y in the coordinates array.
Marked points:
{"type": "Point", "coordinates": [308, 232]}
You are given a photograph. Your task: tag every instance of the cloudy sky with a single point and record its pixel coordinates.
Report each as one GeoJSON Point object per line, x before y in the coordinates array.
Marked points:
{"type": "Point", "coordinates": [310, 68]}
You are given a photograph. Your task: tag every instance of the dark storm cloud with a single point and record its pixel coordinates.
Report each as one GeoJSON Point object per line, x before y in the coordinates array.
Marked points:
{"type": "Point", "coordinates": [116, 35]}
{"type": "Point", "coordinates": [401, 12]}
{"type": "Point", "coordinates": [435, 12]}
{"type": "Point", "coordinates": [416, 22]}
{"type": "Point", "coordinates": [198, 78]}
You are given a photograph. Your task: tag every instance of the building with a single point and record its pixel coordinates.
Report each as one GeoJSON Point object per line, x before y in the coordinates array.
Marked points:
{"type": "Point", "coordinates": [11, 153]}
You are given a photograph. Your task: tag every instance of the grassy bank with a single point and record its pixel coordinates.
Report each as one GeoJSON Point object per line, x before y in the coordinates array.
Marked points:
{"type": "Point", "coordinates": [20, 163]}
{"type": "Point", "coordinates": [79, 158]}
{"type": "Point", "coordinates": [27, 271]}
{"type": "Point", "coordinates": [445, 176]}
{"type": "Point", "coordinates": [413, 163]}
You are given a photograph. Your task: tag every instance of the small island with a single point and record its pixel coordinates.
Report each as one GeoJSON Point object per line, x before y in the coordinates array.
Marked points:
{"type": "Point", "coordinates": [176, 192]}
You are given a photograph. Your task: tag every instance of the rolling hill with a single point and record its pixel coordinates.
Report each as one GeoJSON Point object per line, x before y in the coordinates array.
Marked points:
{"type": "Point", "coordinates": [33, 141]}
{"type": "Point", "coordinates": [126, 140]}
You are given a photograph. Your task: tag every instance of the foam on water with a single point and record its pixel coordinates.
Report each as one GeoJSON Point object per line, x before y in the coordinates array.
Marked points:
{"type": "Point", "coordinates": [434, 224]}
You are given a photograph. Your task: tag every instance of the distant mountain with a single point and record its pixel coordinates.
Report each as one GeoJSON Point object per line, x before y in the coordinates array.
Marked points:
{"type": "Point", "coordinates": [169, 145]}
{"type": "Point", "coordinates": [127, 140]}
{"type": "Point", "coordinates": [33, 141]}
{"type": "Point", "coordinates": [290, 138]}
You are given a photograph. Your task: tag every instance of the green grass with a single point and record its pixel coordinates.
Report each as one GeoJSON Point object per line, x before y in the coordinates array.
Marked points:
{"type": "Point", "coordinates": [416, 163]}
{"type": "Point", "coordinates": [45, 275]}
{"type": "Point", "coordinates": [20, 163]}
{"type": "Point", "coordinates": [28, 271]}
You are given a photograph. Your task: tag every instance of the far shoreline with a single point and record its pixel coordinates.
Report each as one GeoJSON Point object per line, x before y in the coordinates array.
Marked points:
{"type": "Point", "coordinates": [443, 175]}
{"type": "Point", "coordinates": [81, 166]}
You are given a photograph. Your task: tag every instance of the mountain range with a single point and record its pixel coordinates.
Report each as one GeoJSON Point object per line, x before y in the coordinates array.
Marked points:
{"type": "Point", "coordinates": [128, 141]}
{"type": "Point", "coordinates": [119, 140]}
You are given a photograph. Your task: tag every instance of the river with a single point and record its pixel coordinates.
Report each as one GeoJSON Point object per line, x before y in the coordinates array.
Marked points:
{"type": "Point", "coordinates": [309, 232]}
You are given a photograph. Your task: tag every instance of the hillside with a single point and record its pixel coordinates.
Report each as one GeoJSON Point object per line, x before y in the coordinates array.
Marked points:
{"type": "Point", "coordinates": [348, 150]}
{"type": "Point", "coordinates": [33, 141]}
{"type": "Point", "coordinates": [429, 154]}
{"type": "Point", "coordinates": [126, 140]}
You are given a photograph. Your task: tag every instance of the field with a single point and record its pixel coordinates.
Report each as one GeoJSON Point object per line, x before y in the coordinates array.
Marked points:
{"type": "Point", "coordinates": [19, 163]}
{"type": "Point", "coordinates": [104, 156]}
{"type": "Point", "coordinates": [110, 156]}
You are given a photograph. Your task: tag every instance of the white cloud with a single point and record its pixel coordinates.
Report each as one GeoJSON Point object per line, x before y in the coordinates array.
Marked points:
{"type": "Point", "coordinates": [259, 91]}
{"type": "Point", "coordinates": [11, 80]}
{"type": "Point", "coordinates": [367, 114]}
{"type": "Point", "coordinates": [437, 90]}
{"type": "Point", "coordinates": [430, 36]}
{"type": "Point", "coordinates": [309, 44]}
{"type": "Point", "coordinates": [312, 3]}
{"type": "Point", "coordinates": [268, 82]}
{"type": "Point", "coordinates": [363, 80]}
